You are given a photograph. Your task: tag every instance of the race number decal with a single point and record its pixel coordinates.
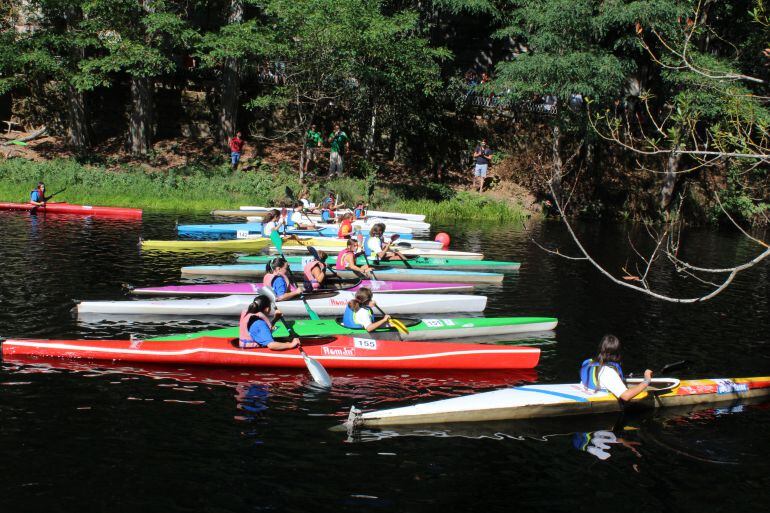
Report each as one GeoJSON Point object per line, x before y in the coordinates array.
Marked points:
{"type": "Point", "coordinates": [728, 386]}
{"type": "Point", "coordinates": [449, 322]}
{"type": "Point", "coordinates": [433, 323]}
{"type": "Point", "coordinates": [242, 234]}
{"type": "Point", "coordinates": [365, 343]}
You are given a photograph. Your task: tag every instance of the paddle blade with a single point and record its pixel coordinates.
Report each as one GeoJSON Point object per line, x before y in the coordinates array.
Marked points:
{"type": "Point", "coordinates": [277, 241]}
{"type": "Point", "coordinates": [400, 327]}
{"type": "Point", "coordinates": [310, 313]}
{"type": "Point", "coordinates": [316, 370]}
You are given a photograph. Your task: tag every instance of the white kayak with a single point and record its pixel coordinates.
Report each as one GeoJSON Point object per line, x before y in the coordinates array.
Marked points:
{"type": "Point", "coordinates": [414, 251]}
{"type": "Point", "coordinates": [331, 304]}
{"type": "Point", "coordinates": [362, 226]}
{"type": "Point", "coordinates": [369, 213]}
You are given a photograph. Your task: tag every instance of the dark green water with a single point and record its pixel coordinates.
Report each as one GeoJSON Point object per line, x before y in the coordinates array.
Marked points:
{"type": "Point", "coordinates": [98, 438]}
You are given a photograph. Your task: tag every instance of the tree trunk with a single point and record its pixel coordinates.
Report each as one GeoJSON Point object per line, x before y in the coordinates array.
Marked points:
{"type": "Point", "coordinates": [556, 172]}
{"type": "Point", "coordinates": [370, 133]}
{"type": "Point", "coordinates": [231, 84]}
{"type": "Point", "coordinates": [140, 122]}
{"type": "Point", "coordinates": [77, 124]}
{"type": "Point", "coordinates": [669, 179]}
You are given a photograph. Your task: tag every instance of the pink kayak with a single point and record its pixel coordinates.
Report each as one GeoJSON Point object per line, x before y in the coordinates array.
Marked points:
{"type": "Point", "coordinates": [68, 208]}
{"type": "Point", "coordinates": [226, 289]}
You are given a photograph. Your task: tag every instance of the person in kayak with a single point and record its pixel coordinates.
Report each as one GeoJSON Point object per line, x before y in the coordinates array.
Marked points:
{"type": "Point", "coordinates": [38, 197]}
{"type": "Point", "coordinates": [346, 260]}
{"type": "Point", "coordinates": [376, 247]}
{"type": "Point", "coordinates": [360, 211]}
{"type": "Point", "coordinates": [358, 314]}
{"type": "Point", "coordinates": [277, 279]}
{"type": "Point", "coordinates": [255, 328]}
{"type": "Point", "coordinates": [346, 226]}
{"type": "Point", "coordinates": [272, 221]}
{"type": "Point", "coordinates": [299, 219]}
{"type": "Point", "coordinates": [315, 272]}
{"type": "Point", "coordinates": [328, 206]}
{"type": "Point", "coordinates": [605, 373]}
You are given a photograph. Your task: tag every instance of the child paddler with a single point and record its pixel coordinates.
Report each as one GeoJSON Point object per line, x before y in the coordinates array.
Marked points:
{"type": "Point", "coordinates": [346, 260]}
{"type": "Point", "coordinates": [605, 373]}
{"type": "Point", "coordinates": [300, 220]}
{"type": "Point", "coordinates": [277, 279]}
{"type": "Point", "coordinates": [315, 272]}
{"type": "Point", "coordinates": [377, 248]}
{"type": "Point", "coordinates": [272, 221]}
{"type": "Point", "coordinates": [358, 314]}
{"type": "Point", "coordinates": [37, 197]}
{"type": "Point", "coordinates": [255, 328]}
{"type": "Point", "coordinates": [346, 226]}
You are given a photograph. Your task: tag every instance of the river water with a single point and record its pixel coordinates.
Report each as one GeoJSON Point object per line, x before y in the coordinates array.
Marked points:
{"type": "Point", "coordinates": [79, 437]}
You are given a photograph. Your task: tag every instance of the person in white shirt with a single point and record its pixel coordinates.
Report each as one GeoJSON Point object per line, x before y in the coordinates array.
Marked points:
{"type": "Point", "coordinates": [358, 314]}
{"type": "Point", "coordinates": [272, 221]}
{"type": "Point", "coordinates": [605, 373]}
{"type": "Point", "coordinates": [378, 249]}
{"type": "Point", "coordinates": [300, 220]}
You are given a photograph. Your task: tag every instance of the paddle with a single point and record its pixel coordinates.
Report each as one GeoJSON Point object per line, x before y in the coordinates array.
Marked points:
{"type": "Point", "coordinates": [401, 328]}
{"type": "Point", "coordinates": [670, 366]}
{"type": "Point", "coordinates": [316, 370]}
{"type": "Point", "coordinates": [55, 193]}
{"type": "Point", "coordinates": [275, 238]}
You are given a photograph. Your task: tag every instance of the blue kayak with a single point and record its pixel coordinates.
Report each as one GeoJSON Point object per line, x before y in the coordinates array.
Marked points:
{"type": "Point", "coordinates": [384, 273]}
{"type": "Point", "coordinates": [222, 230]}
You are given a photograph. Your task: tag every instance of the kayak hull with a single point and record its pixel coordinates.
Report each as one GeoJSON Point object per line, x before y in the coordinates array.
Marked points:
{"type": "Point", "coordinates": [425, 329]}
{"type": "Point", "coordinates": [417, 263]}
{"type": "Point", "coordinates": [332, 353]}
{"type": "Point", "coordinates": [227, 289]}
{"type": "Point", "coordinates": [363, 226]}
{"type": "Point", "coordinates": [427, 248]}
{"type": "Point", "coordinates": [540, 401]}
{"type": "Point", "coordinates": [369, 213]}
{"type": "Point", "coordinates": [432, 275]}
{"type": "Point", "coordinates": [85, 210]}
{"type": "Point", "coordinates": [248, 244]}
{"type": "Point", "coordinates": [335, 305]}
{"type": "Point", "coordinates": [233, 230]}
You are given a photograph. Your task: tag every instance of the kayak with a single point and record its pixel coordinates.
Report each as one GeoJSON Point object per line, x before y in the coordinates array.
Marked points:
{"type": "Point", "coordinates": [329, 303]}
{"type": "Point", "coordinates": [241, 230]}
{"type": "Point", "coordinates": [419, 329]}
{"type": "Point", "coordinates": [390, 274]}
{"type": "Point", "coordinates": [249, 244]}
{"type": "Point", "coordinates": [226, 289]}
{"type": "Point", "coordinates": [367, 222]}
{"type": "Point", "coordinates": [369, 213]}
{"type": "Point", "coordinates": [539, 401]}
{"type": "Point", "coordinates": [413, 248]}
{"type": "Point", "coordinates": [331, 352]}
{"type": "Point", "coordinates": [419, 263]}
{"type": "Point", "coordinates": [68, 208]}
{"type": "Point", "coordinates": [359, 225]}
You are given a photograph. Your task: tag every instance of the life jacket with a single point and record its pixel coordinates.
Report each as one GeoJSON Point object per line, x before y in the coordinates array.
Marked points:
{"type": "Point", "coordinates": [36, 195]}
{"type": "Point", "coordinates": [348, 318]}
{"type": "Point", "coordinates": [243, 324]}
{"type": "Point", "coordinates": [343, 233]}
{"type": "Point", "coordinates": [589, 373]}
{"type": "Point", "coordinates": [367, 251]}
{"type": "Point", "coordinates": [340, 265]}
{"type": "Point", "coordinates": [310, 280]}
{"type": "Point", "coordinates": [359, 213]}
{"type": "Point", "coordinates": [269, 278]}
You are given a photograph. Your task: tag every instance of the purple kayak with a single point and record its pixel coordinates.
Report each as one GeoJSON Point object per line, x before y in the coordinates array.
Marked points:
{"type": "Point", "coordinates": [227, 289]}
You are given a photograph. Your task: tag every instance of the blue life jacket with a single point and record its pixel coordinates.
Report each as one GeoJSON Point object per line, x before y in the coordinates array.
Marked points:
{"type": "Point", "coordinates": [348, 318]}
{"type": "Point", "coordinates": [589, 373]}
{"type": "Point", "coordinates": [36, 196]}
{"type": "Point", "coordinates": [358, 213]}
{"type": "Point", "coordinates": [326, 215]}
{"type": "Point", "coordinates": [367, 251]}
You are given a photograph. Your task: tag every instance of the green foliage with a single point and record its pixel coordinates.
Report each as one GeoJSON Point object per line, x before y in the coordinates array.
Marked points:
{"type": "Point", "coordinates": [736, 198]}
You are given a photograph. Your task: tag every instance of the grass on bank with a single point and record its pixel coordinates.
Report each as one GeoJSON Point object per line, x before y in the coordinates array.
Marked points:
{"type": "Point", "coordinates": [197, 189]}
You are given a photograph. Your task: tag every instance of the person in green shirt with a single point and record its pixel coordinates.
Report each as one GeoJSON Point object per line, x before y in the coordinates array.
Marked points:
{"type": "Point", "coordinates": [338, 142]}
{"type": "Point", "coordinates": [313, 141]}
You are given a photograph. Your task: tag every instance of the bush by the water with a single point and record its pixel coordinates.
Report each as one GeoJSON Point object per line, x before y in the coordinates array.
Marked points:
{"type": "Point", "coordinates": [209, 188]}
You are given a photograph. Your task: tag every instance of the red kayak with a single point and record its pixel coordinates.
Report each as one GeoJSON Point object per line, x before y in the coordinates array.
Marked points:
{"type": "Point", "coordinates": [67, 208]}
{"type": "Point", "coordinates": [340, 352]}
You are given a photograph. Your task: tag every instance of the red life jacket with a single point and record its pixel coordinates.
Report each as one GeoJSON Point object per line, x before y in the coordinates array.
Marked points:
{"type": "Point", "coordinates": [309, 278]}
{"type": "Point", "coordinates": [267, 281]}
{"type": "Point", "coordinates": [340, 265]}
{"type": "Point", "coordinates": [343, 233]}
{"type": "Point", "coordinates": [243, 324]}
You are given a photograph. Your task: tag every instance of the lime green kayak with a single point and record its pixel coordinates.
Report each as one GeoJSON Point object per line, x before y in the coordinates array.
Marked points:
{"type": "Point", "coordinates": [419, 329]}
{"type": "Point", "coordinates": [417, 263]}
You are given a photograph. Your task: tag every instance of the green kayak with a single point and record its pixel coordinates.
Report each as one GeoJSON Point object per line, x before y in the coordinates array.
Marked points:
{"type": "Point", "coordinates": [419, 329]}
{"type": "Point", "coordinates": [418, 262]}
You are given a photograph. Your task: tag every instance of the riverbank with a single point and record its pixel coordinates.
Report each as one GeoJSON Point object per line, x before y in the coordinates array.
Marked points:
{"type": "Point", "coordinates": [201, 189]}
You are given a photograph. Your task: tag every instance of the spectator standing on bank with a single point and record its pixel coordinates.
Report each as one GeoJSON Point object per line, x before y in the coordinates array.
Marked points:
{"type": "Point", "coordinates": [313, 141]}
{"type": "Point", "coordinates": [339, 144]}
{"type": "Point", "coordinates": [482, 156]}
{"type": "Point", "coordinates": [236, 150]}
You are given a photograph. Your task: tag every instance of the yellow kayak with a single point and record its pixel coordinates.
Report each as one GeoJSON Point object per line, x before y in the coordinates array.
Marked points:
{"type": "Point", "coordinates": [247, 244]}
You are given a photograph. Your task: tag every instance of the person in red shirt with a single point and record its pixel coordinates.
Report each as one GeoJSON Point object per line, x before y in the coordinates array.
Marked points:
{"type": "Point", "coordinates": [236, 149]}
